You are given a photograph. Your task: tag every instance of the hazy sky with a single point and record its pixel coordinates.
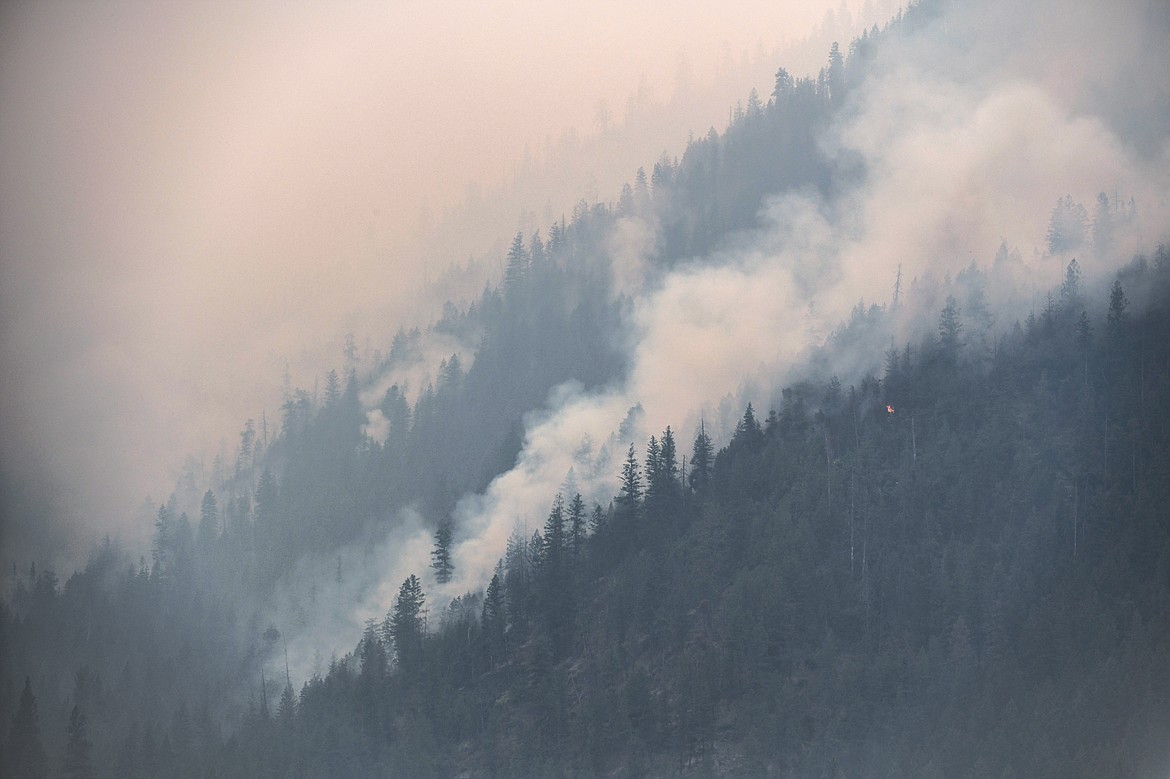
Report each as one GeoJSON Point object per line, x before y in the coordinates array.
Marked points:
{"type": "Point", "coordinates": [193, 193]}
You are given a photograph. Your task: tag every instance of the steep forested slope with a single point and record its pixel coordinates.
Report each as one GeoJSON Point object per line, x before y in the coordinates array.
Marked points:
{"type": "Point", "coordinates": [164, 652]}
{"type": "Point", "coordinates": [957, 565]}
{"type": "Point", "coordinates": [974, 583]}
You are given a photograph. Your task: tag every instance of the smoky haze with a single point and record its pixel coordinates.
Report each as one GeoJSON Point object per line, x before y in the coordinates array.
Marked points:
{"type": "Point", "coordinates": [197, 196]}
{"type": "Point", "coordinates": [964, 149]}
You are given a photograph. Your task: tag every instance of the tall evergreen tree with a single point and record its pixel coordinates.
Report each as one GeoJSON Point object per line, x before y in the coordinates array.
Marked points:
{"type": "Point", "coordinates": [554, 584]}
{"type": "Point", "coordinates": [396, 412]}
{"type": "Point", "coordinates": [576, 523]}
{"type": "Point", "coordinates": [630, 495]}
{"type": "Point", "coordinates": [518, 584]}
{"type": "Point", "coordinates": [26, 753]}
{"type": "Point", "coordinates": [553, 547]}
{"type": "Point", "coordinates": [641, 192]}
{"type": "Point", "coordinates": [835, 75]}
{"type": "Point", "coordinates": [441, 554]}
{"type": "Point", "coordinates": [77, 747]}
{"type": "Point", "coordinates": [517, 266]}
{"type": "Point", "coordinates": [372, 653]}
{"type": "Point", "coordinates": [332, 387]}
{"type": "Point", "coordinates": [668, 463]}
{"type": "Point", "coordinates": [662, 487]}
{"type": "Point", "coordinates": [536, 250]}
{"type": "Point", "coordinates": [949, 327]}
{"type": "Point", "coordinates": [653, 471]}
{"type": "Point", "coordinates": [1118, 303]}
{"type": "Point", "coordinates": [748, 432]}
{"type": "Point", "coordinates": [1070, 288]}
{"type": "Point", "coordinates": [597, 520]}
{"type": "Point", "coordinates": [1066, 226]}
{"type": "Point", "coordinates": [494, 620]}
{"type": "Point", "coordinates": [405, 625]}
{"type": "Point", "coordinates": [701, 457]}
{"type": "Point", "coordinates": [286, 709]}
{"type": "Point", "coordinates": [208, 520]}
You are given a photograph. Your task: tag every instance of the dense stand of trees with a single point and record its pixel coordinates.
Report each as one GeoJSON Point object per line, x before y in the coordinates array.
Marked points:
{"type": "Point", "coordinates": [973, 583]}
{"type": "Point", "coordinates": [970, 584]}
{"type": "Point", "coordinates": [955, 567]}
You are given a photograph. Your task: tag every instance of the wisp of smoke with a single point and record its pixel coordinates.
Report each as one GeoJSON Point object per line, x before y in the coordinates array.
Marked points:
{"type": "Point", "coordinates": [958, 159]}
{"type": "Point", "coordinates": [953, 167]}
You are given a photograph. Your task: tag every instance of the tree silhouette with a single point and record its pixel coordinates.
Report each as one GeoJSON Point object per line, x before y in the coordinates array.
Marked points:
{"type": "Point", "coordinates": [26, 753]}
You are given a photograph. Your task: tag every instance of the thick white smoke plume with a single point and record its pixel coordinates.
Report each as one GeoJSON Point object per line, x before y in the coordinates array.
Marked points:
{"type": "Point", "coordinates": [964, 151]}
{"type": "Point", "coordinates": [955, 165]}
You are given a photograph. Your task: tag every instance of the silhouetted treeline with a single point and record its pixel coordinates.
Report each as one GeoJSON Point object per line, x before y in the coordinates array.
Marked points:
{"type": "Point", "coordinates": [958, 566]}
{"type": "Point", "coordinates": [973, 582]}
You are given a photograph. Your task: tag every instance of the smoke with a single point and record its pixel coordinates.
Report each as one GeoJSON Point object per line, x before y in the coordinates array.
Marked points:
{"type": "Point", "coordinates": [324, 603]}
{"type": "Point", "coordinates": [962, 151]}
{"type": "Point", "coordinates": [962, 148]}
{"type": "Point", "coordinates": [195, 197]}
{"type": "Point", "coordinates": [955, 166]}
{"type": "Point", "coordinates": [412, 373]}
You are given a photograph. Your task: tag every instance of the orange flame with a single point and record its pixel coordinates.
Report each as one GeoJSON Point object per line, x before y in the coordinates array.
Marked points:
{"type": "Point", "coordinates": [889, 409]}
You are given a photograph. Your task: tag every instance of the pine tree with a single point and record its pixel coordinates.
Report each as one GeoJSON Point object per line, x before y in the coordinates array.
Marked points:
{"type": "Point", "coordinates": [553, 548]}
{"type": "Point", "coordinates": [26, 753]}
{"type": "Point", "coordinates": [630, 496]}
{"type": "Point", "coordinates": [536, 250]}
{"type": "Point", "coordinates": [208, 520]}
{"type": "Point", "coordinates": [265, 499]}
{"type": "Point", "coordinates": [441, 555]}
{"type": "Point", "coordinates": [949, 327]}
{"type": "Point", "coordinates": [332, 388]}
{"type": "Point", "coordinates": [286, 709]}
{"type": "Point", "coordinates": [554, 583]}
{"type": "Point", "coordinates": [668, 464]}
{"type": "Point", "coordinates": [641, 192]}
{"type": "Point", "coordinates": [784, 87]}
{"type": "Point", "coordinates": [404, 623]}
{"type": "Point", "coordinates": [836, 74]}
{"type": "Point", "coordinates": [754, 107]}
{"type": "Point", "coordinates": [1066, 226]}
{"type": "Point", "coordinates": [576, 524]}
{"type": "Point", "coordinates": [396, 411]}
{"type": "Point", "coordinates": [373, 656]}
{"type": "Point", "coordinates": [162, 546]}
{"type": "Point", "coordinates": [1117, 304]}
{"type": "Point", "coordinates": [1070, 288]}
{"type": "Point", "coordinates": [517, 583]}
{"type": "Point", "coordinates": [748, 431]}
{"type": "Point", "coordinates": [494, 620]}
{"type": "Point", "coordinates": [517, 267]}
{"type": "Point", "coordinates": [625, 206]}
{"type": "Point", "coordinates": [653, 471]}
{"type": "Point", "coordinates": [701, 460]}
{"type": "Point", "coordinates": [556, 237]}
{"type": "Point", "coordinates": [597, 521]}
{"type": "Point", "coordinates": [244, 457]}
{"type": "Point", "coordinates": [662, 488]}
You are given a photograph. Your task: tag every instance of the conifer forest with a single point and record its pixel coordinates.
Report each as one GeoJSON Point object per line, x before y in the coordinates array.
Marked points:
{"type": "Point", "coordinates": [832, 441]}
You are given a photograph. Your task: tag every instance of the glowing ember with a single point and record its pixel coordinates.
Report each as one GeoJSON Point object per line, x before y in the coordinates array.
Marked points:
{"type": "Point", "coordinates": [889, 409]}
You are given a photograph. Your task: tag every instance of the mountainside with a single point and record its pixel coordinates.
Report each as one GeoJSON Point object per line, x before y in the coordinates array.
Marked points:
{"type": "Point", "coordinates": [937, 543]}
{"type": "Point", "coordinates": [972, 583]}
